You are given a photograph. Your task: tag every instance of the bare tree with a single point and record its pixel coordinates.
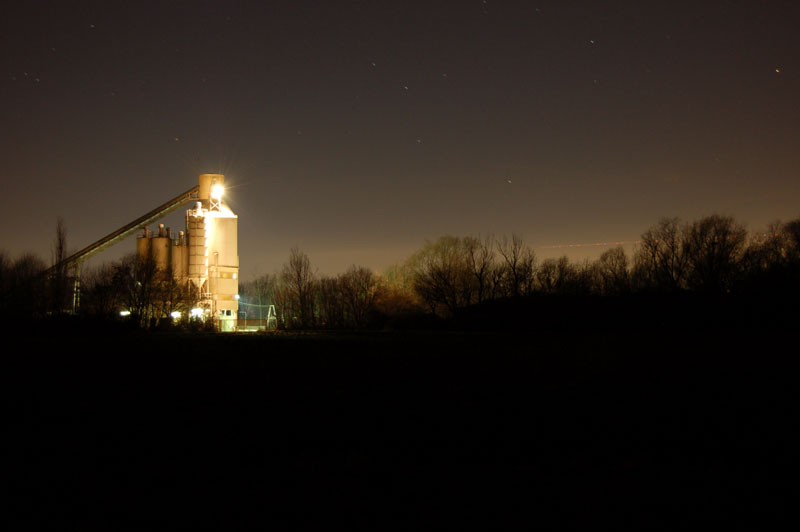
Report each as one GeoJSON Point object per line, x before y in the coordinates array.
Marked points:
{"type": "Point", "coordinates": [135, 283]}
{"type": "Point", "coordinates": [583, 278]}
{"type": "Point", "coordinates": [613, 273]}
{"type": "Point", "coordinates": [58, 277]}
{"type": "Point", "coordinates": [660, 262]}
{"type": "Point", "coordinates": [559, 276]}
{"type": "Point", "coordinates": [713, 250]}
{"type": "Point", "coordinates": [283, 305]}
{"type": "Point", "coordinates": [99, 295]}
{"type": "Point", "coordinates": [792, 231]}
{"type": "Point", "coordinates": [547, 276]}
{"type": "Point", "coordinates": [480, 256]}
{"type": "Point", "coordinates": [170, 295]}
{"type": "Point", "coordinates": [765, 250]}
{"type": "Point", "coordinates": [520, 265]}
{"type": "Point", "coordinates": [330, 303]}
{"type": "Point", "coordinates": [298, 280]}
{"type": "Point", "coordinates": [442, 277]}
{"type": "Point", "coordinates": [395, 294]}
{"type": "Point", "coordinates": [497, 275]}
{"type": "Point", "coordinates": [359, 288]}
{"type": "Point", "coordinates": [26, 291]}
{"type": "Point", "coordinates": [566, 275]}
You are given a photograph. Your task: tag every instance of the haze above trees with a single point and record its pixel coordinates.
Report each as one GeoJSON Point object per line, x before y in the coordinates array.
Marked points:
{"type": "Point", "coordinates": [712, 257]}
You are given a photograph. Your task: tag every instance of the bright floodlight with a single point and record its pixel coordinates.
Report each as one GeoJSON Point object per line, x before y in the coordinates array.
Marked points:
{"type": "Point", "coordinates": [217, 191]}
{"type": "Point", "coordinates": [124, 312]}
{"type": "Point", "coordinates": [175, 314]}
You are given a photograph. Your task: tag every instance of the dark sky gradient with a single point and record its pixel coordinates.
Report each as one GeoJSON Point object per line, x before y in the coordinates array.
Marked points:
{"type": "Point", "coordinates": [357, 130]}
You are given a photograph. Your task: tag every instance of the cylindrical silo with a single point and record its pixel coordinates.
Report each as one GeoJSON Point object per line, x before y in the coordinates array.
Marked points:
{"type": "Point", "coordinates": [180, 255]}
{"type": "Point", "coordinates": [180, 258]}
{"type": "Point", "coordinates": [143, 246]}
{"type": "Point", "coordinates": [160, 248]}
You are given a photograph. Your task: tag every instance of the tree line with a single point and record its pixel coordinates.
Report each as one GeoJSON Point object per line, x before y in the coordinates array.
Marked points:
{"type": "Point", "coordinates": [303, 299]}
{"type": "Point", "coordinates": [148, 295]}
{"type": "Point", "coordinates": [712, 256]}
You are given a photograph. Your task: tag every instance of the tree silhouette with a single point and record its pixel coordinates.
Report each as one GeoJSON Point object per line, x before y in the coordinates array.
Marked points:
{"type": "Point", "coordinates": [25, 289]}
{"type": "Point", "coordinates": [613, 272]}
{"type": "Point", "coordinates": [442, 276]}
{"type": "Point", "coordinates": [519, 266]}
{"type": "Point", "coordinates": [298, 283]}
{"type": "Point", "coordinates": [480, 258]}
{"type": "Point", "coordinates": [660, 263]}
{"type": "Point", "coordinates": [359, 289]}
{"type": "Point", "coordinates": [58, 280]}
{"type": "Point", "coordinates": [713, 249]}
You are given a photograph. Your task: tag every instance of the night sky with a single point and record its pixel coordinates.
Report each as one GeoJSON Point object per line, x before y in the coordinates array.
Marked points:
{"type": "Point", "coordinates": [357, 130]}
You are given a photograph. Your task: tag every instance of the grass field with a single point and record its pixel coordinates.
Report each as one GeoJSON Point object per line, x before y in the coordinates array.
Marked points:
{"type": "Point", "coordinates": [654, 429]}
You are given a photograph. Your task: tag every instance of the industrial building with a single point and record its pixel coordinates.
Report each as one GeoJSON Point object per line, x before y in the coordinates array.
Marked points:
{"type": "Point", "coordinates": [204, 257]}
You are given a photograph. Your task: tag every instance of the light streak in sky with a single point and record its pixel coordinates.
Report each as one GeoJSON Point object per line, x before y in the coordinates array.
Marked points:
{"type": "Point", "coordinates": [591, 244]}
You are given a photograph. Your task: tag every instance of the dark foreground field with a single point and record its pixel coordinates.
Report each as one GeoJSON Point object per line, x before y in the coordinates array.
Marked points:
{"type": "Point", "coordinates": [646, 429]}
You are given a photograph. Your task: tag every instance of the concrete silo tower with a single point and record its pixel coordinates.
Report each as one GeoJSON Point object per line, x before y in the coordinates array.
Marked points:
{"type": "Point", "coordinates": [213, 256]}
{"type": "Point", "coordinates": [206, 256]}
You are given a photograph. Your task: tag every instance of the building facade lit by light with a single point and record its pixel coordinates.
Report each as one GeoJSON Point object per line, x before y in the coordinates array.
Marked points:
{"type": "Point", "coordinates": [204, 257]}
